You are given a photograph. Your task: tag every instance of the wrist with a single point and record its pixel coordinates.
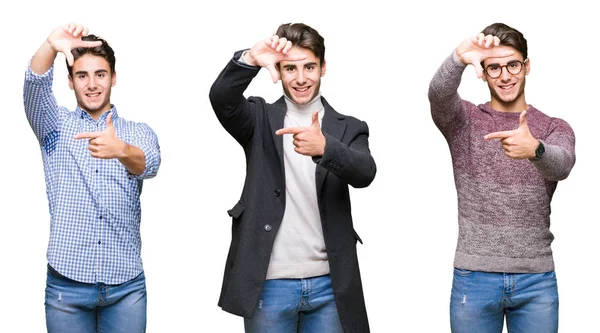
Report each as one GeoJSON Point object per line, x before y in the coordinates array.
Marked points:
{"type": "Point", "coordinates": [248, 58]}
{"type": "Point", "coordinates": [124, 151]}
{"type": "Point", "coordinates": [538, 152]}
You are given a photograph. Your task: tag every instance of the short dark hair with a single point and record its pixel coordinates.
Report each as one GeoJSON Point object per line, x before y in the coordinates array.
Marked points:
{"type": "Point", "coordinates": [302, 35]}
{"type": "Point", "coordinates": [104, 51]}
{"type": "Point", "coordinates": [508, 36]}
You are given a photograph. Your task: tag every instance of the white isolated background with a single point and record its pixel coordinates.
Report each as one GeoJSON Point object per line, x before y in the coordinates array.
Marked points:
{"type": "Point", "coordinates": [380, 56]}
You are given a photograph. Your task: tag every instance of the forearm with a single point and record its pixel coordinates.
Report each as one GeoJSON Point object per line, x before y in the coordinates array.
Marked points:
{"type": "Point", "coordinates": [556, 163]}
{"type": "Point", "coordinates": [41, 109]}
{"type": "Point", "coordinates": [133, 159]}
{"type": "Point", "coordinates": [352, 163]}
{"type": "Point", "coordinates": [232, 109]}
{"type": "Point", "coordinates": [43, 59]}
{"type": "Point", "coordinates": [443, 92]}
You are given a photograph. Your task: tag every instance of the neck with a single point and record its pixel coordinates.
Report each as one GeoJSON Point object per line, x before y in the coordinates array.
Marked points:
{"type": "Point", "coordinates": [314, 105]}
{"type": "Point", "coordinates": [517, 105]}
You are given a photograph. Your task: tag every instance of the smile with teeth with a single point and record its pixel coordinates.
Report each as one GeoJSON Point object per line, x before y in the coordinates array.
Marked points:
{"type": "Point", "coordinates": [507, 87]}
{"type": "Point", "coordinates": [93, 95]}
{"type": "Point", "coordinates": [301, 89]}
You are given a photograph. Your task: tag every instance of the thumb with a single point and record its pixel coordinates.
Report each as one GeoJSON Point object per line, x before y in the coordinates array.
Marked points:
{"type": "Point", "coordinates": [523, 119]}
{"type": "Point", "coordinates": [109, 122]}
{"type": "Point", "coordinates": [478, 69]}
{"type": "Point", "coordinates": [315, 120]}
{"type": "Point", "coordinates": [274, 73]}
{"type": "Point", "coordinates": [69, 57]}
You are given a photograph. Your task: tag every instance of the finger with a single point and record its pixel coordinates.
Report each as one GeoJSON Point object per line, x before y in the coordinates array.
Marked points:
{"type": "Point", "coordinates": [290, 130]}
{"type": "Point", "coordinates": [78, 30]}
{"type": "Point", "coordinates": [315, 119]}
{"type": "Point", "coordinates": [71, 27]}
{"type": "Point", "coordinates": [499, 135]}
{"type": "Point", "coordinates": [480, 39]}
{"type": "Point", "coordinates": [90, 43]}
{"type": "Point", "coordinates": [274, 41]}
{"type": "Point", "coordinates": [478, 69]}
{"type": "Point", "coordinates": [496, 41]}
{"type": "Point", "coordinates": [274, 73]}
{"type": "Point", "coordinates": [489, 39]}
{"type": "Point", "coordinates": [69, 57]}
{"type": "Point", "coordinates": [523, 119]}
{"type": "Point", "coordinates": [87, 135]}
{"type": "Point", "coordinates": [281, 45]}
{"type": "Point", "coordinates": [295, 57]}
{"type": "Point", "coordinates": [287, 48]}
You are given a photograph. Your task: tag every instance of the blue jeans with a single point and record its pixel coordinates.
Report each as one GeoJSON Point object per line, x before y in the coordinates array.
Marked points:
{"type": "Point", "coordinates": [481, 300]}
{"type": "Point", "coordinates": [296, 305]}
{"type": "Point", "coordinates": [75, 307]}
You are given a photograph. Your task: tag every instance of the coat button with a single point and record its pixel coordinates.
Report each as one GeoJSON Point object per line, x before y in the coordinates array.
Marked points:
{"type": "Point", "coordinates": [268, 227]}
{"type": "Point", "coordinates": [277, 192]}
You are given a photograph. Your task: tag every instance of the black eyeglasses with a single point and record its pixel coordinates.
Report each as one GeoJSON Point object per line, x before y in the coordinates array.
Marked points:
{"type": "Point", "coordinates": [513, 67]}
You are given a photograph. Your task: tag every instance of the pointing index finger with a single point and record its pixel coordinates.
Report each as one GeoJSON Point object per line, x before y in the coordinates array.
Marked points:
{"type": "Point", "coordinates": [290, 130]}
{"type": "Point", "coordinates": [499, 135]}
{"type": "Point", "coordinates": [87, 135]}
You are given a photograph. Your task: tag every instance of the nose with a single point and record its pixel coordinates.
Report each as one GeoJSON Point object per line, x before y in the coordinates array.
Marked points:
{"type": "Point", "coordinates": [92, 84]}
{"type": "Point", "coordinates": [301, 78]}
{"type": "Point", "coordinates": [504, 74]}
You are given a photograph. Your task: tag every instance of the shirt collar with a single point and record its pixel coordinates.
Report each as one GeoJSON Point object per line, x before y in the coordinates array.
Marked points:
{"type": "Point", "coordinates": [85, 115]}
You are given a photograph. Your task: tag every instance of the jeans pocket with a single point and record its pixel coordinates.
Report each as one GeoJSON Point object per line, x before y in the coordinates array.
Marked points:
{"type": "Point", "coordinates": [52, 272]}
{"type": "Point", "coordinates": [462, 272]}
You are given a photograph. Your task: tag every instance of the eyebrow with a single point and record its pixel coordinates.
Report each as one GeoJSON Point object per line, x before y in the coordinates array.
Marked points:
{"type": "Point", "coordinates": [510, 62]}
{"type": "Point", "coordinates": [96, 72]}
{"type": "Point", "coordinates": [313, 63]}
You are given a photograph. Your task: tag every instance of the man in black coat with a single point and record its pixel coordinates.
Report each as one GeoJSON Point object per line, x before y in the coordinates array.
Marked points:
{"type": "Point", "coordinates": [292, 264]}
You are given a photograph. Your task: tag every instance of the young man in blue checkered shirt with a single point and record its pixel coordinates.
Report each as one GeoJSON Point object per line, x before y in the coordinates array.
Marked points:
{"type": "Point", "coordinates": [94, 165]}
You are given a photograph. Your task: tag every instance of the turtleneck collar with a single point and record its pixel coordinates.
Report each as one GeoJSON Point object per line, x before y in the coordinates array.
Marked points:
{"type": "Point", "coordinates": [314, 105]}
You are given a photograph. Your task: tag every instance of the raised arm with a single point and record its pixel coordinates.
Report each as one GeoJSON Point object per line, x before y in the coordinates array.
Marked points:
{"type": "Point", "coordinates": [443, 94]}
{"type": "Point", "coordinates": [233, 110]}
{"type": "Point", "coordinates": [40, 105]}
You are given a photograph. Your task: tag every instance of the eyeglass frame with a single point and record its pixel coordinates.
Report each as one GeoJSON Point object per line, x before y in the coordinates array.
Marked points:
{"type": "Point", "coordinates": [506, 66]}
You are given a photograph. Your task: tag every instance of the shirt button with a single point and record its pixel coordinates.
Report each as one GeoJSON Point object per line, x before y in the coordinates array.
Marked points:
{"type": "Point", "coordinates": [268, 227]}
{"type": "Point", "coordinates": [100, 217]}
{"type": "Point", "coordinates": [99, 242]}
{"type": "Point", "coordinates": [277, 192]}
{"type": "Point", "coordinates": [96, 170]}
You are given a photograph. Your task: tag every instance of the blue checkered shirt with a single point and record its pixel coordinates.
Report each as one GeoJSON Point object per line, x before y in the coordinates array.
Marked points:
{"type": "Point", "coordinates": [94, 203]}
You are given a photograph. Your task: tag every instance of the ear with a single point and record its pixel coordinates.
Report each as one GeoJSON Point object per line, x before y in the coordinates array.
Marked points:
{"type": "Point", "coordinates": [527, 66]}
{"type": "Point", "coordinates": [70, 81]}
{"type": "Point", "coordinates": [323, 68]}
{"type": "Point", "coordinates": [114, 78]}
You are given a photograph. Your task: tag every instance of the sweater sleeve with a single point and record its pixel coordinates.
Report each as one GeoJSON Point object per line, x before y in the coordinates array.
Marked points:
{"type": "Point", "coordinates": [446, 105]}
{"type": "Point", "coordinates": [559, 156]}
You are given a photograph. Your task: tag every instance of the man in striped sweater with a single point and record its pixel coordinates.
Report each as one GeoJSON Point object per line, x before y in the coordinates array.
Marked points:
{"type": "Point", "coordinates": [508, 158]}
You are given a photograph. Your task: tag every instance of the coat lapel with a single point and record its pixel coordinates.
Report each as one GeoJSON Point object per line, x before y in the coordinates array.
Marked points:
{"type": "Point", "coordinates": [334, 124]}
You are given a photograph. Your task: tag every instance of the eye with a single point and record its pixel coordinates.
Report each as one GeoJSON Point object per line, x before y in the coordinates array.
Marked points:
{"type": "Point", "coordinates": [493, 67]}
{"type": "Point", "coordinates": [101, 75]}
{"type": "Point", "coordinates": [290, 69]}
{"type": "Point", "coordinates": [514, 64]}
{"type": "Point", "coordinates": [310, 67]}
{"type": "Point", "coordinates": [81, 76]}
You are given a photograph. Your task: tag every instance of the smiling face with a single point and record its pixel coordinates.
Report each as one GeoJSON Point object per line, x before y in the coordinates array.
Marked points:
{"type": "Point", "coordinates": [301, 80]}
{"type": "Point", "coordinates": [507, 90]}
{"type": "Point", "coordinates": [92, 81]}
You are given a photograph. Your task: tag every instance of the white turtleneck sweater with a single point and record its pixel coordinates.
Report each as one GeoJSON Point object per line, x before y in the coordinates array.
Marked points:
{"type": "Point", "coordinates": [299, 249]}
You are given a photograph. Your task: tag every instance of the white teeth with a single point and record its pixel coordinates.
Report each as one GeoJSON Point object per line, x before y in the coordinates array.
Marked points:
{"type": "Point", "coordinates": [301, 89]}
